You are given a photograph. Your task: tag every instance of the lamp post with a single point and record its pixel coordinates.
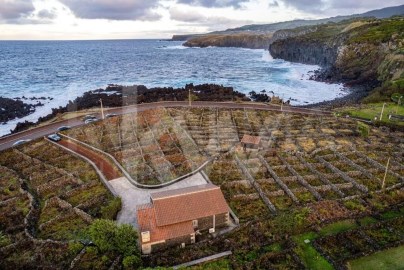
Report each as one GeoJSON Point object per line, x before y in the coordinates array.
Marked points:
{"type": "Point", "coordinates": [102, 109]}
{"type": "Point", "coordinates": [385, 173]}
{"type": "Point", "coordinates": [398, 104]}
{"type": "Point", "coordinates": [189, 97]}
{"type": "Point", "coordinates": [381, 113]}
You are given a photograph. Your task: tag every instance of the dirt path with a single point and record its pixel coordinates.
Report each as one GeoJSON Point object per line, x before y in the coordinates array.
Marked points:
{"type": "Point", "coordinates": [105, 166]}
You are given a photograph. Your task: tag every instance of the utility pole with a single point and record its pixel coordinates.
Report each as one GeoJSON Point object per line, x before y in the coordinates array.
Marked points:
{"type": "Point", "coordinates": [381, 114]}
{"type": "Point", "coordinates": [385, 173]}
{"type": "Point", "coordinates": [282, 102]}
{"type": "Point", "coordinates": [398, 104]}
{"type": "Point", "coordinates": [189, 97]}
{"type": "Point", "coordinates": [102, 109]}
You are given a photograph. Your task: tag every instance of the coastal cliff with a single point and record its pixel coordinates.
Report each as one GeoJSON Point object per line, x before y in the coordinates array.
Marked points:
{"type": "Point", "coordinates": [241, 40]}
{"type": "Point", "coordinates": [259, 36]}
{"type": "Point", "coordinates": [356, 52]}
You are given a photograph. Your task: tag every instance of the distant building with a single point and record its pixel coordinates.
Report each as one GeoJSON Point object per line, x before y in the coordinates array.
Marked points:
{"type": "Point", "coordinates": [249, 141]}
{"type": "Point", "coordinates": [173, 217]}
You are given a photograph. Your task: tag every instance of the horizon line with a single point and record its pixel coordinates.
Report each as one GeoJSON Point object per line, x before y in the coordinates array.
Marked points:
{"type": "Point", "coordinates": [101, 39]}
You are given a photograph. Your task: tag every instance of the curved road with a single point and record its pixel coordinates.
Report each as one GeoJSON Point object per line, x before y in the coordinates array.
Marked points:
{"type": "Point", "coordinates": [34, 133]}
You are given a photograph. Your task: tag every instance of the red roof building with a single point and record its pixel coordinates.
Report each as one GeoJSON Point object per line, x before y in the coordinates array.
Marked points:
{"type": "Point", "coordinates": [173, 217]}
{"type": "Point", "coordinates": [251, 141]}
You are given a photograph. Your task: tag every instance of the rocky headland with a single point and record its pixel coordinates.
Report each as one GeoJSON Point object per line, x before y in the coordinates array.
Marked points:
{"type": "Point", "coordinates": [364, 53]}
{"type": "Point", "coordinates": [259, 36]}
{"type": "Point", "coordinates": [239, 40]}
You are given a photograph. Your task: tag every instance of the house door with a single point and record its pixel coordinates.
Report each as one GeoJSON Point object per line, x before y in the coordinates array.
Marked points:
{"type": "Point", "coordinates": [146, 249]}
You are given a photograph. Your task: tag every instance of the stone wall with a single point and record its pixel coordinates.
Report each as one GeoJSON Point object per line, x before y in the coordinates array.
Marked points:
{"type": "Point", "coordinates": [171, 243]}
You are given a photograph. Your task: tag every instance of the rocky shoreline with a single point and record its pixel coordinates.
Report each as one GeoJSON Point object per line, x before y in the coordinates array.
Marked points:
{"type": "Point", "coordinates": [16, 108]}
{"type": "Point", "coordinates": [118, 95]}
{"type": "Point", "coordinates": [355, 95]}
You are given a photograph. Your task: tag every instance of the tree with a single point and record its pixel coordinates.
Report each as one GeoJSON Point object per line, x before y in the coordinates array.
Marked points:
{"type": "Point", "coordinates": [102, 233]}
{"type": "Point", "coordinates": [109, 237]}
{"type": "Point", "coordinates": [126, 240]}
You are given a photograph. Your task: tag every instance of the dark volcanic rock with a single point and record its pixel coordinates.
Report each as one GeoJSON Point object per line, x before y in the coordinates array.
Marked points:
{"type": "Point", "coordinates": [308, 52]}
{"type": "Point", "coordinates": [117, 96]}
{"type": "Point", "coordinates": [11, 109]}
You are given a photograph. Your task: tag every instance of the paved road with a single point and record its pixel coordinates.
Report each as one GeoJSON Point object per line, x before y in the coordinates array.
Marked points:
{"type": "Point", "coordinates": [7, 141]}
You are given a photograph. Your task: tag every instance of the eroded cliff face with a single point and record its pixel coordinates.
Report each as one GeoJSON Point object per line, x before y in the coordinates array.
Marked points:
{"type": "Point", "coordinates": [295, 32]}
{"type": "Point", "coordinates": [307, 52]}
{"type": "Point", "coordinates": [350, 52]}
{"type": "Point", "coordinates": [241, 40]}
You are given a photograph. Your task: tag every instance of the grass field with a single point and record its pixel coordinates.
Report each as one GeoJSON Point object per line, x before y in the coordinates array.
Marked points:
{"type": "Point", "coordinates": [308, 254]}
{"type": "Point", "coordinates": [370, 111]}
{"type": "Point", "coordinates": [338, 227]}
{"type": "Point", "coordinates": [391, 259]}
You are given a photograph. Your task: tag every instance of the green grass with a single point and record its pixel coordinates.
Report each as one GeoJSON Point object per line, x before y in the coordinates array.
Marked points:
{"type": "Point", "coordinates": [379, 32]}
{"type": "Point", "coordinates": [273, 248]}
{"type": "Point", "coordinates": [390, 259]}
{"type": "Point", "coordinates": [337, 227]}
{"type": "Point", "coordinates": [367, 221]}
{"type": "Point", "coordinates": [370, 111]}
{"type": "Point", "coordinates": [308, 254]}
{"type": "Point", "coordinates": [392, 214]}
{"type": "Point", "coordinates": [215, 265]}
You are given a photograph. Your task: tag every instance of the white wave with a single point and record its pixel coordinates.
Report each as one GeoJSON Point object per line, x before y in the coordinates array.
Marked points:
{"type": "Point", "coordinates": [266, 56]}
{"type": "Point", "coordinates": [59, 100]}
{"type": "Point", "coordinates": [176, 47]}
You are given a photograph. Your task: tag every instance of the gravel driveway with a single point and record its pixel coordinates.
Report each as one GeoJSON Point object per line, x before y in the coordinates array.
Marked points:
{"type": "Point", "coordinates": [133, 196]}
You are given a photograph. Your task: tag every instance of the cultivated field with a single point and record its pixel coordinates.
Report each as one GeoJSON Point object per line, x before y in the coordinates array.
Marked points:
{"type": "Point", "coordinates": [150, 145]}
{"type": "Point", "coordinates": [311, 197]}
{"type": "Point", "coordinates": [311, 170]}
{"type": "Point", "coordinates": [47, 198]}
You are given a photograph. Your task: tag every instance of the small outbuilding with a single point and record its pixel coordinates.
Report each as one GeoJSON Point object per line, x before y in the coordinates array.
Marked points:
{"type": "Point", "coordinates": [252, 142]}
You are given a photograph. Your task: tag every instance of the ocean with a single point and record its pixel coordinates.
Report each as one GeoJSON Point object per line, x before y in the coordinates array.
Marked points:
{"type": "Point", "coordinates": [64, 70]}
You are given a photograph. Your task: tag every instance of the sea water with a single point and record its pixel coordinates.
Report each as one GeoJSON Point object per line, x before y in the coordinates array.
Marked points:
{"type": "Point", "coordinates": [64, 70]}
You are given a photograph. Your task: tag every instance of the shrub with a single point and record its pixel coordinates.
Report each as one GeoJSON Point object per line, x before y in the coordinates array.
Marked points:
{"type": "Point", "coordinates": [363, 129]}
{"type": "Point", "coordinates": [75, 247]}
{"type": "Point", "coordinates": [354, 205]}
{"type": "Point", "coordinates": [131, 262]}
{"type": "Point", "coordinates": [111, 210]}
{"type": "Point", "coordinates": [4, 240]}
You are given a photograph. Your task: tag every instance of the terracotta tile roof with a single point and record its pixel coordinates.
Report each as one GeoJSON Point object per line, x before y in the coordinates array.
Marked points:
{"type": "Point", "coordinates": [187, 204]}
{"type": "Point", "coordinates": [251, 139]}
{"type": "Point", "coordinates": [146, 218]}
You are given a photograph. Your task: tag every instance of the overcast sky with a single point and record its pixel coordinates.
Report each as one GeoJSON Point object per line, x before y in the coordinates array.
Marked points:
{"type": "Point", "coordinates": [125, 19]}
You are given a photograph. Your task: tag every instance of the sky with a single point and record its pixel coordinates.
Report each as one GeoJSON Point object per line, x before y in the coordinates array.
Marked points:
{"type": "Point", "coordinates": [131, 19]}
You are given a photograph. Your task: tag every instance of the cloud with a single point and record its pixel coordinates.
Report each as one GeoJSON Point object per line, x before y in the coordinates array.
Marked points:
{"type": "Point", "coordinates": [363, 4]}
{"type": "Point", "coordinates": [306, 5]}
{"type": "Point", "coordinates": [114, 9]}
{"type": "Point", "coordinates": [214, 3]}
{"type": "Point", "coordinates": [313, 6]}
{"type": "Point", "coordinates": [46, 14]}
{"type": "Point", "coordinates": [12, 10]}
{"type": "Point", "coordinates": [273, 4]}
{"type": "Point", "coordinates": [186, 16]}
{"type": "Point", "coordinates": [197, 19]}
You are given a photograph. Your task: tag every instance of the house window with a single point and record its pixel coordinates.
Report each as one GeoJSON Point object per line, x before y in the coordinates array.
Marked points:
{"type": "Point", "coordinates": [195, 223]}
